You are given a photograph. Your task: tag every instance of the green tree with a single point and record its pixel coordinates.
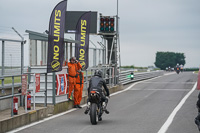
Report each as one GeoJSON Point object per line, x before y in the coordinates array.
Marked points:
{"type": "Point", "coordinates": [166, 59]}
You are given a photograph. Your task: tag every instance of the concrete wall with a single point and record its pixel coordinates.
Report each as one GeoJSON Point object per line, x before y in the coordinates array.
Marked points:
{"type": "Point", "coordinates": [23, 119]}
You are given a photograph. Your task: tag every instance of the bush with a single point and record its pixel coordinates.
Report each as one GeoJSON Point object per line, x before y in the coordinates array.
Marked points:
{"type": "Point", "coordinates": [191, 69]}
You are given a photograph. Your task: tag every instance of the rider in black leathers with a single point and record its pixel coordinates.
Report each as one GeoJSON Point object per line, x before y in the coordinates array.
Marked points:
{"type": "Point", "coordinates": [96, 83]}
{"type": "Point", "coordinates": [178, 66]}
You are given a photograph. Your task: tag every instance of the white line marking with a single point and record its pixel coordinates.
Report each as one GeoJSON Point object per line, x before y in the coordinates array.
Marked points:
{"type": "Point", "coordinates": [169, 82]}
{"type": "Point", "coordinates": [46, 119]}
{"type": "Point", "coordinates": [169, 73]}
{"type": "Point", "coordinates": [160, 89]}
{"type": "Point", "coordinates": [166, 125]}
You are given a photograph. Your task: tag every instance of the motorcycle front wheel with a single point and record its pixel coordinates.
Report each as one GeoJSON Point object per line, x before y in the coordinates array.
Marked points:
{"type": "Point", "coordinates": [93, 113]}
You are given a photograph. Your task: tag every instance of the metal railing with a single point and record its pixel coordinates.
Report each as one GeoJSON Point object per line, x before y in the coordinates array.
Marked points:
{"type": "Point", "coordinates": [41, 90]}
{"type": "Point", "coordinates": [22, 42]}
{"type": "Point", "coordinates": [108, 75]}
{"type": "Point", "coordinates": [125, 79]}
{"type": "Point", "coordinates": [13, 94]}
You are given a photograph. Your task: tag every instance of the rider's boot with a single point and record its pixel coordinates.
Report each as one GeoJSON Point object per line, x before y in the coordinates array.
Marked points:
{"type": "Point", "coordinates": [104, 108]}
{"type": "Point", "coordinates": [106, 111]}
{"type": "Point", "coordinates": [100, 118]}
{"type": "Point", "coordinates": [88, 108]}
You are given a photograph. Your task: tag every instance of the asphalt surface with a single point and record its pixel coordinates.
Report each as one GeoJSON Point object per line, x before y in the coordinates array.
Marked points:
{"type": "Point", "coordinates": [144, 108]}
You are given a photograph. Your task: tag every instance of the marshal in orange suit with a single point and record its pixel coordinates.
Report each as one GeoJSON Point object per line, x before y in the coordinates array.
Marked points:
{"type": "Point", "coordinates": [73, 67]}
{"type": "Point", "coordinates": [78, 89]}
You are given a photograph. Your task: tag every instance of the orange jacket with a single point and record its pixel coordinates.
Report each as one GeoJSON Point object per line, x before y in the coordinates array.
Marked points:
{"type": "Point", "coordinates": [80, 78]}
{"type": "Point", "coordinates": [72, 68]}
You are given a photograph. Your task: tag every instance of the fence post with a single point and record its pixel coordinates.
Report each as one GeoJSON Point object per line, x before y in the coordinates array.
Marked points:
{"type": "Point", "coordinates": [94, 57]}
{"type": "Point", "coordinates": [86, 82]}
{"type": "Point", "coordinates": [2, 83]}
{"type": "Point", "coordinates": [100, 56]}
{"type": "Point", "coordinates": [34, 92]}
{"type": "Point", "coordinates": [45, 89]}
{"type": "Point", "coordinates": [12, 96]}
{"type": "Point", "coordinates": [113, 76]}
{"type": "Point", "coordinates": [54, 95]}
{"type": "Point", "coordinates": [110, 77]}
{"type": "Point", "coordinates": [22, 57]}
{"type": "Point", "coordinates": [3, 54]}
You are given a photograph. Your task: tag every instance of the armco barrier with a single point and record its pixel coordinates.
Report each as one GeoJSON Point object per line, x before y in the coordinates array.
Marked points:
{"type": "Point", "coordinates": [125, 79]}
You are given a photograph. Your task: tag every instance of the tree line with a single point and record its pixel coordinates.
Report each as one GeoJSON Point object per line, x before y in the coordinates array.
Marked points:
{"type": "Point", "coordinates": [169, 59]}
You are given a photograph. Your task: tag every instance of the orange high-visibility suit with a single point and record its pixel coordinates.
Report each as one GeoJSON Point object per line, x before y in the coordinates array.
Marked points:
{"type": "Point", "coordinates": [72, 72]}
{"type": "Point", "coordinates": [78, 88]}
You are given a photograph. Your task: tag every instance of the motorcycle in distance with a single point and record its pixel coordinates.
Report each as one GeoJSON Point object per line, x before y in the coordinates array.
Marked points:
{"type": "Point", "coordinates": [96, 107]}
{"type": "Point", "coordinates": [177, 70]}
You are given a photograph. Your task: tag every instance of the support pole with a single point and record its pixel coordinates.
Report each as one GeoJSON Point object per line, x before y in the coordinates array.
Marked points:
{"type": "Point", "coordinates": [34, 92]}
{"type": "Point", "coordinates": [54, 88]}
{"type": "Point", "coordinates": [70, 50]}
{"type": "Point", "coordinates": [45, 90]}
{"type": "Point", "coordinates": [12, 104]}
{"type": "Point", "coordinates": [3, 57]}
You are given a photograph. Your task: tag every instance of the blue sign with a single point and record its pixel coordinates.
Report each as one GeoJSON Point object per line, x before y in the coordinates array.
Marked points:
{"type": "Point", "coordinates": [62, 84]}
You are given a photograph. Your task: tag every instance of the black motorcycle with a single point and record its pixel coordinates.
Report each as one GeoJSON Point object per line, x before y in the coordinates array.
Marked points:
{"type": "Point", "coordinates": [177, 70]}
{"type": "Point", "coordinates": [96, 107]}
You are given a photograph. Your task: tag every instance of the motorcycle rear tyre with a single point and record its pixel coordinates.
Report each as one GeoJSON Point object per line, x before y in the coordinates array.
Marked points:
{"type": "Point", "coordinates": [93, 113]}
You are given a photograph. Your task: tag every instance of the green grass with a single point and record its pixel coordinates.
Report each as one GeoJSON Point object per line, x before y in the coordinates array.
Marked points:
{"type": "Point", "coordinates": [8, 80]}
{"type": "Point", "coordinates": [196, 71]}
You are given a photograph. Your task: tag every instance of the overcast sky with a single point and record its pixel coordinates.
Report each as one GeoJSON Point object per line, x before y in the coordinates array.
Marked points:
{"type": "Point", "coordinates": [146, 26]}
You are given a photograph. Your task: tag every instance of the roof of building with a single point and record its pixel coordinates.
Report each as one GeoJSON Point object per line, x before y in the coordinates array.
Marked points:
{"type": "Point", "coordinates": [44, 37]}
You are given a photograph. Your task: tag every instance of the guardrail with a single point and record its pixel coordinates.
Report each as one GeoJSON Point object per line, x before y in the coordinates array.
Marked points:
{"type": "Point", "coordinates": [125, 79]}
{"type": "Point", "coordinates": [13, 94]}
{"type": "Point", "coordinates": [108, 75]}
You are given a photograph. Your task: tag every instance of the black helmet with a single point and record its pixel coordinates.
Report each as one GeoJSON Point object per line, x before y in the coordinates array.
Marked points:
{"type": "Point", "coordinates": [98, 73]}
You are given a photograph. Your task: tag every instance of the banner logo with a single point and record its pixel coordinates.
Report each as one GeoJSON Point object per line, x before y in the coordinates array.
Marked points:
{"type": "Point", "coordinates": [55, 65]}
{"type": "Point", "coordinates": [82, 64]}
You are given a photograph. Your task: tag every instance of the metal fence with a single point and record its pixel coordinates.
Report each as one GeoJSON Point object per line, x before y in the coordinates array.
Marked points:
{"type": "Point", "coordinates": [125, 76]}
{"type": "Point", "coordinates": [108, 75]}
{"type": "Point", "coordinates": [17, 93]}
{"type": "Point", "coordinates": [12, 56]}
{"type": "Point", "coordinates": [31, 85]}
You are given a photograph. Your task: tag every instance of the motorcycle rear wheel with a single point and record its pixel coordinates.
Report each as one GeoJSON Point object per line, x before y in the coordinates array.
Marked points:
{"type": "Point", "coordinates": [93, 113]}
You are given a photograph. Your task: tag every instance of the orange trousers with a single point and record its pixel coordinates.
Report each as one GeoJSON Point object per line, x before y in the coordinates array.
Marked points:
{"type": "Point", "coordinates": [78, 94]}
{"type": "Point", "coordinates": [72, 83]}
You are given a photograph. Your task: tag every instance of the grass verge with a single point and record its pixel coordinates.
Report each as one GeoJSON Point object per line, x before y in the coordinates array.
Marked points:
{"type": "Point", "coordinates": [8, 80]}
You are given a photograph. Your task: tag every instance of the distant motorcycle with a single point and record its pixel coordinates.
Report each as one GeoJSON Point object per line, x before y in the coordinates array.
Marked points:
{"type": "Point", "coordinates": [96, 107]}
{"type": "Point", "coordinates": [177, 70]}
{"type": "Point", "coordinates": [181, 69]}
